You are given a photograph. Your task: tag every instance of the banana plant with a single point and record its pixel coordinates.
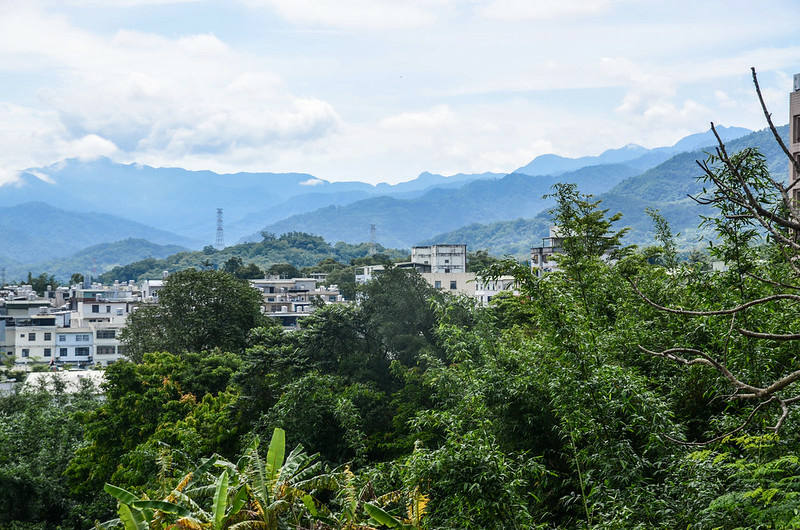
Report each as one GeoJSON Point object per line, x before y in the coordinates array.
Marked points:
{"type": "Point", "coordinates": [143, 514]}
{"type": "Point", "coordinates": [281, 485]}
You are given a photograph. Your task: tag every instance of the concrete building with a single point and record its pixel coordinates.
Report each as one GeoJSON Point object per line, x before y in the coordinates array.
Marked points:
{"type": "Point", "coordinates": [441, 258]}
{"type": "Point", "coordinates": [75, 346]}
{"type": "Point", "coordinates": [542, 257]}
{"type": "Point", "coordinates": [83, 329]}
{"type": "Point", "coordinates": [291, 299]}
{"type": "Point", "coordinates": [485, 290]}
{"type": "Point", "coordinates": [794, 131]}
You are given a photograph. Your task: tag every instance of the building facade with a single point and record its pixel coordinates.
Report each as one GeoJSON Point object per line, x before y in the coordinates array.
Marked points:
{"type": "Point", "coordinates": [794, 132]}
{"type": "Point", "coordinates": [441, 258]}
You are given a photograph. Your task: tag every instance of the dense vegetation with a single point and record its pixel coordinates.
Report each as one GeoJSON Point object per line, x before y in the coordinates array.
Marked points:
{"type": "Point", "coordinates": [637, 392]}
{"type": "Point", "coordinates": [295, 248]}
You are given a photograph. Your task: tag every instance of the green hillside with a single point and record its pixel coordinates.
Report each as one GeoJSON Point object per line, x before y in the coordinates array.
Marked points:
{"type": "Point", "coordinates": [296, 248]}
{"type": "Point", "coordinates": [101, 258]}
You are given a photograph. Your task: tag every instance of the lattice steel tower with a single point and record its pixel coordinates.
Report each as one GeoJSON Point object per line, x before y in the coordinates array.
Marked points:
{"type": "Point", "coordinates": [220, 244]}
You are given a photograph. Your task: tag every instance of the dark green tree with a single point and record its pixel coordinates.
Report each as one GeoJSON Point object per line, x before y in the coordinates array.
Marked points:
{"type": "Point", "coordinates": [41, 283]}
{"type": "Point", "coordinates": [284, 270]}
{"type": "Point", "coordinates": [197, 311]}
{"type": "Point", "coordinates": [232, 264]}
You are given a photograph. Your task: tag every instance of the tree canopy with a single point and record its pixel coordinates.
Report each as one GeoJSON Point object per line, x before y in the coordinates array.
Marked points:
{"type": "Point", "coordinates": [196, 311]}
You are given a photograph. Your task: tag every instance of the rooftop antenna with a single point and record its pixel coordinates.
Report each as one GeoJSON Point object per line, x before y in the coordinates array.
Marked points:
{"type": "Point", "coordinates": [220, 244]}
{"type": "Point", "coordinates": [372, 240]}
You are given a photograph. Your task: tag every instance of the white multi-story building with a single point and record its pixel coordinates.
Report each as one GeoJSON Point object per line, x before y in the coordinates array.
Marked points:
{"type": "Point", "coordinates": [542, 257]}
{"type": "Point", "coordinates": [75, 345]}
{"type": "Point", "coordinates": [441, 258]}
{"type": "Point", "coordinates": [291, 299]}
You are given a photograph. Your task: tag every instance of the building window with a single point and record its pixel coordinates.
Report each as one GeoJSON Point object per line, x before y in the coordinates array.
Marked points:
{"type": "Point", "coordinates": [106, 333]}
{"type": "Point", "coordinates": [25, 352]}
{"type": "Point", "coordinates": [31, 336]}
{"type": "Point", "coordinates": [437, 284]}
{"type": "Point", "coordinates": [62, 338]}
{"type": "Point", "coordinates": [108, 309]}
{"type": "Point", "coordinates": [48, 336]}
{"type": "Point", "coordinates": [82, 351]}
{"type": "Point", "coordinates": [47, 352]}
{"type": "Point", "coordinates": [452, 284]}
{"type": "Point", "coordinates": [82, 338]}
{"type": "Point", "coordinates": [62, 352]}
{"type": "Point", "coordinates": [95, 308]}
{"type": "Point", "coordinates": [447, 261]}
{"type": "Point", "coordinates": [105, 350]}
{"type": "Point", "coordinates": [796, 120]}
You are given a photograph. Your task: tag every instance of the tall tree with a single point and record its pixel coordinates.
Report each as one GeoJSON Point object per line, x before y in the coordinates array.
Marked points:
{"type": "Point", "coordinates": [197, 311]}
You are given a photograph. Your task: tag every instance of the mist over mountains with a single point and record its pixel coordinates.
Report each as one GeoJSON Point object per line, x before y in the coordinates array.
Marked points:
{"type": "Point", "coordinates": [54, 212]}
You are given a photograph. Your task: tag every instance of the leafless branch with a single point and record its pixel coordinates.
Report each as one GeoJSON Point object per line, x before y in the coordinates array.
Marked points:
{"type": "Point", "coordinates": [769, 336]}
{"type": "Point", "coordinates": [730, 311]}
{"type": "Point", "coordinates": [772, 127]}
{"type": "Point", "coordinates": [703, 359]}
{"type": "Point", "coordinates": [772, 282]}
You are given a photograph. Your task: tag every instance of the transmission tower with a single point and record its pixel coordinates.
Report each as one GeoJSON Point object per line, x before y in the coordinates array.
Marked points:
{"type": "Point", "coordinates": [220, 244]}
{"type": "Point", "coordinates": [371, 240]}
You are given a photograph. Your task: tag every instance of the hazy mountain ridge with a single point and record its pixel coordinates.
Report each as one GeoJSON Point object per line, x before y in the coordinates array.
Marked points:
{"type": "Point", "coordinates": [36, 231]}
{"type": "Point", "coordinates": [94, 260]}
{"type": "Point", "coordinates": [665, 187]}
{"type": "Point", "coordinates": [405, 214]}
{"type": "Point", "coordinates": [406, 222]}
{"type": "Point", "coordinates": [632, 154]}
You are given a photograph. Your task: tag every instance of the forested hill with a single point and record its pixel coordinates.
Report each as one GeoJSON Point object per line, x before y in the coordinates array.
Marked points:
{"type": "Point", "coordinates": [404, 223]}
{"type": "Point", "coordinates": [295, 248]}
{"type": "Point", "coordinates": [665, 187]}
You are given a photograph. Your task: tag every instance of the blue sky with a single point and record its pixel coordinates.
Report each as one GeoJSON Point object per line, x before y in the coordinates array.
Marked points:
{"type": "Point", "coordinates": [379, 90]}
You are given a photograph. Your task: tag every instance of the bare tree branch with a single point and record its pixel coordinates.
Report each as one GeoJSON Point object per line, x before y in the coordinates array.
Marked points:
{"type": "Point", "coordinates": [772, 127]}
{"type": "Point", "coordinates": [769, 336]}
{"type": "Point", "coordinates": [730, 311]}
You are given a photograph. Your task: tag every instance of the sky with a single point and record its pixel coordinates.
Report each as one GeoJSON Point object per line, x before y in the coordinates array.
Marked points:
{"type": "Point", "coordinates": [379, 90]}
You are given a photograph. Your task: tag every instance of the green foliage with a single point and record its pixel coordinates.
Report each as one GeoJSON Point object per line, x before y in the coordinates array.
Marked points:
{"type": "Point", "coordinates": [295, 248]}
{"type": "Point", "coordinates": [197, 311]}
{"type": "Point", "coordinates": [39, 435]}
{"type": "Point", "coordinates": [41, 283]}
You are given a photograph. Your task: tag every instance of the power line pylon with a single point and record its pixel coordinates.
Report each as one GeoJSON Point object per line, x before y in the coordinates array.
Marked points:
{"type": "Point", "coordinates": [220, 243]}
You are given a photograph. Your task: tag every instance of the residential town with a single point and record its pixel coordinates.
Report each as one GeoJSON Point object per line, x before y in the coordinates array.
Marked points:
{"type": "Point", "coordinates": [79, 326]}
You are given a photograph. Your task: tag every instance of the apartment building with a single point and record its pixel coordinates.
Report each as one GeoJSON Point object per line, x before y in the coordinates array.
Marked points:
{"type": "Point", "coordinates": [440, 258]}
{"type": "Point", "coordinates": [290, 299]}
{"type": "Point", "coordinates": [542, 257]}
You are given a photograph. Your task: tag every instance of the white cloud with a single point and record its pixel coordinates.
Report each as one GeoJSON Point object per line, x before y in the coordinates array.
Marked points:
{"type": "Point", "coordinates": [515, 10]}
{"type": "Point", "coordinates": [435, 118]}
{"type": "Point", "coordinates": [312, 182]}
{"type": "Point", "coordinates": [137, 95]}
{"type": "Point", "coordinates": [361, 14]}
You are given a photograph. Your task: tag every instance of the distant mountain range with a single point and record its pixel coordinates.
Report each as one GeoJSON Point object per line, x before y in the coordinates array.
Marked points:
{"type": "Point", "coordinates": [632, 155]}
{"type": "Point", "coordinates": [54, 212]}
{"type": "Point", "coordinates": [665, 187]}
